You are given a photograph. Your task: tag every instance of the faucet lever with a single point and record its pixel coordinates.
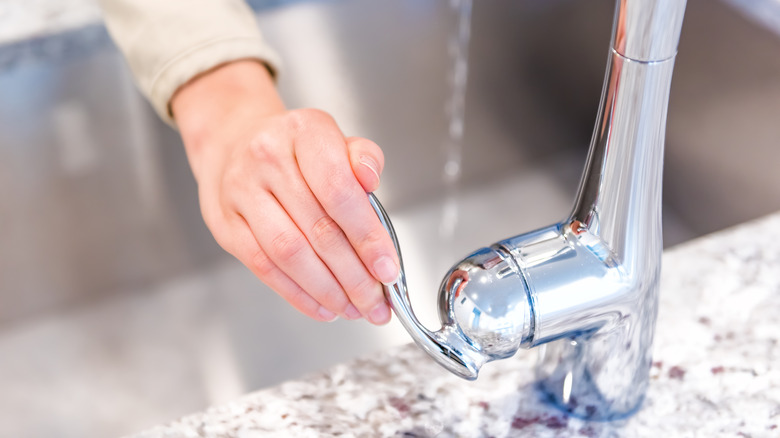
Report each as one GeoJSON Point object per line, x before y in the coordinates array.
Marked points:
{"type": "Point", "coordinates": [448, 347]}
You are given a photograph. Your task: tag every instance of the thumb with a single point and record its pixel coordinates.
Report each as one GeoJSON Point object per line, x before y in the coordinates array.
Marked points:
{"type": "Point", "coordinates": [367, 162]}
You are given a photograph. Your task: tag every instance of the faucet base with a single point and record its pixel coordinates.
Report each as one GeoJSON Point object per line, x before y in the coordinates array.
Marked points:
{"type": "Point", "coordinates": [582, 378]}
{"type": "Point", "coordinates": [586, 409]}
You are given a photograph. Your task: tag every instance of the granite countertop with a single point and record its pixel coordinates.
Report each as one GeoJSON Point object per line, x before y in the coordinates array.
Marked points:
{"type": "Point", "coordinates": [716, 370]}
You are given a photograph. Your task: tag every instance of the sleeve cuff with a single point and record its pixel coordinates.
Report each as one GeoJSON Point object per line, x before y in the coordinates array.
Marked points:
{"type": "Point", "coordinates": [202, 58]}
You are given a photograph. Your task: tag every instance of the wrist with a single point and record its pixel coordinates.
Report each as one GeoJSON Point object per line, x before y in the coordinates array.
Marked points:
{"type": "Point", "coordinates": [205, 106]}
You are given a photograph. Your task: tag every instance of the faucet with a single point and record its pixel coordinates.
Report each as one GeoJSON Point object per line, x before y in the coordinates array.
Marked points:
{"type": "Point", "coordinates": [584, 290]}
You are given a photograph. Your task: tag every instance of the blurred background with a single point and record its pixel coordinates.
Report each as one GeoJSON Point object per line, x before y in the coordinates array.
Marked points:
{"type": "Point", "coordinates": [118, 311]}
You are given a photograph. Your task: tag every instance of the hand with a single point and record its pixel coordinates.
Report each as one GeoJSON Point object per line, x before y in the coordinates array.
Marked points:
{"type": "Point", "coordinates": [285, 193]}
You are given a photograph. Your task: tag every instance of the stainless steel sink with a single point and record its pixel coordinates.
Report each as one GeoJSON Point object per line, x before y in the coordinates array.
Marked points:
{"type": "Point", "coordinates": [117, 309]}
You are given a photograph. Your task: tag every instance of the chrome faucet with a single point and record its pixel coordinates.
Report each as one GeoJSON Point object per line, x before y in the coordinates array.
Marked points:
{"type": "Point", "coordinates": [584, 290]}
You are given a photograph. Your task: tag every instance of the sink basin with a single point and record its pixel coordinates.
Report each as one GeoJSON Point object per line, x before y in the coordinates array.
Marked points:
{"type": "Point", "coordinates": [117, 308]}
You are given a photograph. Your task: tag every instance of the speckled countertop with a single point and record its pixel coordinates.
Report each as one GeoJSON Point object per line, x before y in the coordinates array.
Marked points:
{"type": "Point", "coordinates": [716, 371]}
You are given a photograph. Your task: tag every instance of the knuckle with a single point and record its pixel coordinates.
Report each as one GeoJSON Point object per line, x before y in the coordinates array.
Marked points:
{"type": "Point", "coordinates": [326, 232]}
{"type": "Point", "coordinates": [265, 149]}
{"type": "Point", "coordinates": [305, 117]}
{"type": "Point", "coordinates": [371, 241]}
{"type": "Point", "coordinates": [233, 178]}
{"type": "Point", "coordinates": [363, 293]}
{"type": "Point", "coordinates": [338, 190]}
{"type": "Point", "coordinates": [337, 301]}
{"type": "Point", "coordinates": [295, 120]}
{"type": "Point", "coordinates": [303, 302]}
{"type": "Point", "coordinates": [287, 246]}
{"type": "Point", "coordinates": [368, 145]}
{"type": "Point", "coordinates": [314, 114]}
{"type": "Point", "coordinates": [262, 265]}
{"type": "Point", "coordinates": [333, 298]}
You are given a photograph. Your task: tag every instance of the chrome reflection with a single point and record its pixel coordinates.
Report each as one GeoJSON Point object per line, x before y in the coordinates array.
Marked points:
{"type": "Point", "coordinates": [586, 287]}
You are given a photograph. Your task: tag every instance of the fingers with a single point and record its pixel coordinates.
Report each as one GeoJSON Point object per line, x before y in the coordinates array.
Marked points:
{"type": "Point", "coordinates": [327, 171]}
{"type": "Point", "coordinates": [289, 249]}
{"type": "Point", "coordinates": [237, 239]}
{"type": "Point", "coordinates": [332, 246]}
{"type": "Point", "coordinates": [289, 200]}
{"type": "Point", "coordinates": [367, 161]}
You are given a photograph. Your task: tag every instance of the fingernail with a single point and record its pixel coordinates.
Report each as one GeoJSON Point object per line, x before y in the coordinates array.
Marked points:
{"type": "Point", "coordinates": [352, 312]}
{"type": "Point", "coordinates": [380, 314]}
{"type": "Point", "coordinates": [386, 270]}
{"type": "Point", "coordinates": [326, 315]}
{"type": "Point", "coordinates": [369, 162]}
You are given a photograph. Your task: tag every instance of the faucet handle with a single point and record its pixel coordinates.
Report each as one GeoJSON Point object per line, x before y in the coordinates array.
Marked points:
{"type": "Point", "coordinates": [448, 347]}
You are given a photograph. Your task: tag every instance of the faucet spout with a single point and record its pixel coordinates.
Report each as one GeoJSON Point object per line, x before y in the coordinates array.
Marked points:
{"type": "Point", "coordinates": [594, 278]}
{"type": "Point", "coordinates": [647, 30]}
{"type": "Point", "coordinates": [597, 296]}
{"type": "Point", "coordinates": [585, 290]}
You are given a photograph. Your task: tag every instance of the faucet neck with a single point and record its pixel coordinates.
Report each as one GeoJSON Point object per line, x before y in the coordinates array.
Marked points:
{"type": "Point", "coordinates": [647, 30]}
{"type": "Point", "coordinates": [613, 237]}
{"type": "Point", "coordinates": [619, 199]}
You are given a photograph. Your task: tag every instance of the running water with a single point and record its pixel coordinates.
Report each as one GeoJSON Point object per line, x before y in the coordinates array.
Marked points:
{"type": "Point", "coordinates": [455, 108]}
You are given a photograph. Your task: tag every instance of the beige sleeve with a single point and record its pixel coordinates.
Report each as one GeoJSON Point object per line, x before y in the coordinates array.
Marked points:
{"type": "Point", "coordinates": [168, 42]}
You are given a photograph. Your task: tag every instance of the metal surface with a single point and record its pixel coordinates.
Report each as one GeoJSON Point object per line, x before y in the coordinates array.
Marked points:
{"type": "Point", "coordinates": [589, 282]}
{"type": "Point", "coordinates": [119, 311]}
{"type": "Point", "coordinates": [598, 283]}
{"type": "Point", "coordinates": [648, 30]}
{"type": "Point", "coordinates": [446, 346]}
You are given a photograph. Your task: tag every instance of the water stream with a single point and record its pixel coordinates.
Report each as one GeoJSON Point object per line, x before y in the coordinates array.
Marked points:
{"type": "Point", "coordinates": [455, 108]}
